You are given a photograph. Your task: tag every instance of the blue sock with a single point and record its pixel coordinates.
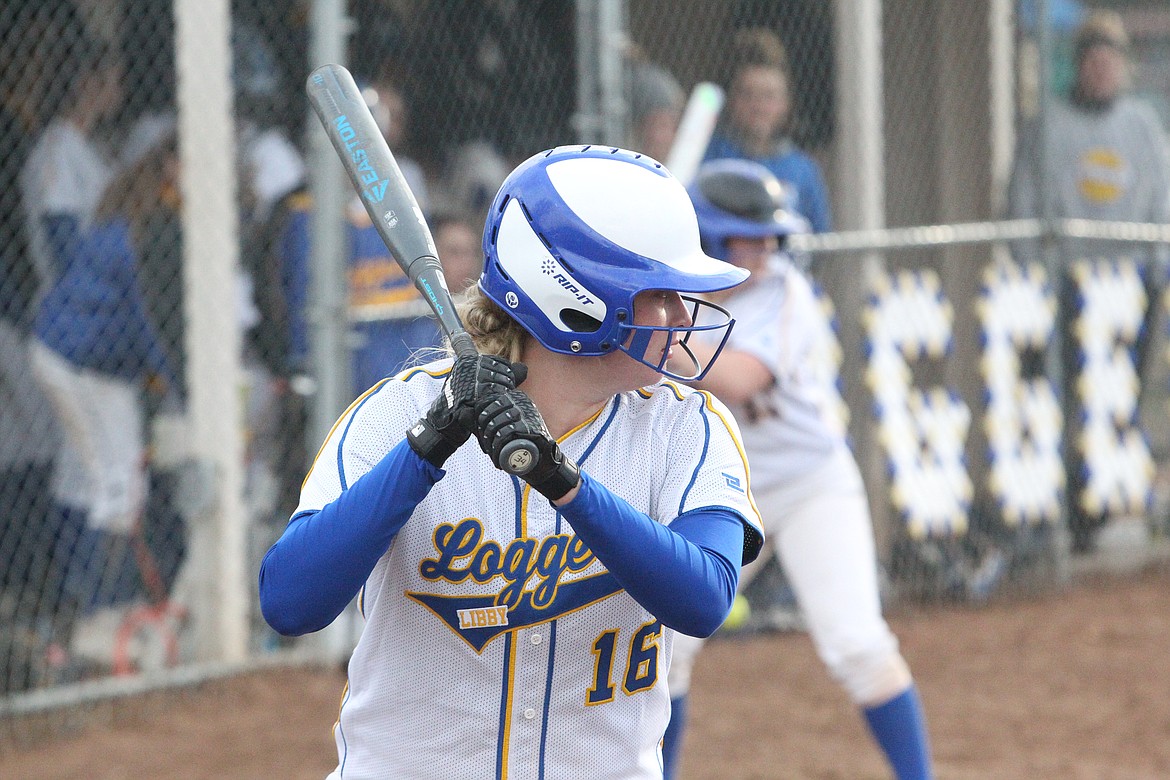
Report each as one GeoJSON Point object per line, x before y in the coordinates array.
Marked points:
{"type": "Point", "coordinates": [900, 728]}
{"type": "Point", "coordinates": [672, 740]}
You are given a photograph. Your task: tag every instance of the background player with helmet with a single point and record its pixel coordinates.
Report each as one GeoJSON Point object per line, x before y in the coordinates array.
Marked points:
{"type": "Point", "coordinates": [806, 482]}
{"type": "Point", "coordinates": [548, 624]}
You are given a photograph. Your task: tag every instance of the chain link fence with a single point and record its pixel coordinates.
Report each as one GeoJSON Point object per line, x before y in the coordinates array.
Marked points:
{"type": "Point", "coordinates": [189, 295]}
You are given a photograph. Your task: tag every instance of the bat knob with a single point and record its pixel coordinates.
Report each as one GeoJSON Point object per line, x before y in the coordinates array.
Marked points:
{"type": "Point", "coordinates": [519, 457]}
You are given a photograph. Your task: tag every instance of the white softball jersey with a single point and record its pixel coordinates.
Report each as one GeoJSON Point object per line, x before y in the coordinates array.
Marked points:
{"type": "Point", "coordinates": [496, 646]}
{"type": "Point", "coordinates": [810, 492]}
{"type": "Point", "coordinates": [787, 428]}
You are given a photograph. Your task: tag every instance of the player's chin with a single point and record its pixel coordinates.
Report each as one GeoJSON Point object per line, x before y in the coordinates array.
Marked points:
{"type": "Point", "coordinates": [662, 358]}
{"type": "Point", "coordinates": [646, 375]}
{"type": "Point", "coordinates": [638, 374]}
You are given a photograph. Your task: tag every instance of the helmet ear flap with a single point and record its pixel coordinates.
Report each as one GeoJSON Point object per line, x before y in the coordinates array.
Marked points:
{"type": "Point", "coordinates": [579, 321]}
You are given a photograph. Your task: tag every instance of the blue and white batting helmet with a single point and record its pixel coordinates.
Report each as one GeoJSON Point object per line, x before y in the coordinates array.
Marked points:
{"type": "Point", "coordinates": [575, 233]}
{"type": "Point", "coordinates": [741, 199]}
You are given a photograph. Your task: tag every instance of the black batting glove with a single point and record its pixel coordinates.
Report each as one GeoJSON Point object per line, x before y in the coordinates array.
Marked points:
{"type": "Point", "coordinates": [511, 416]}
{"type": "Point", "coordinates": [451, 418]}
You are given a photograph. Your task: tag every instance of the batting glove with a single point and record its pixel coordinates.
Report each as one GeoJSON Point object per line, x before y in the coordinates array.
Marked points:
{"type": "Point", "coordinates": [511, 416]}
{"type": "Point", "coordinates": [451, 418]}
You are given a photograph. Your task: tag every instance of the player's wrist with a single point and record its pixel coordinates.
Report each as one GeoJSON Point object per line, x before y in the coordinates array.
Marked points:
{"type": "Point", "coordinates": [562, 478]}
{"type": "Point", "coordinates": [433, 444]}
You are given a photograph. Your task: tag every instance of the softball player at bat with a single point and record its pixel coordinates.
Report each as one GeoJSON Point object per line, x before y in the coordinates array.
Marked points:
{"type": "Point", "coordinates": [523, 628]}
{"type": "Point", "coordinates": [806, 482]}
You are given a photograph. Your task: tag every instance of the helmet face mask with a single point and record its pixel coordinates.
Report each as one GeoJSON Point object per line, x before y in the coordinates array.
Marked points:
{"type": "Point", "coordinates": [576, 233]}
{"type": "Point", "coordinates": [704, 316]}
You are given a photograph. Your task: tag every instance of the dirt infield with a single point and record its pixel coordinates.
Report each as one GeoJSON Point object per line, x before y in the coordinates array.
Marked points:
{"type": "Point", "coordinates": [1072, 685]}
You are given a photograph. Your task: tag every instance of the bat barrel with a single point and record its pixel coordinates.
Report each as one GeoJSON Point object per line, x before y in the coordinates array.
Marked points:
{"type": "Point", "coordinates": [371, 166]}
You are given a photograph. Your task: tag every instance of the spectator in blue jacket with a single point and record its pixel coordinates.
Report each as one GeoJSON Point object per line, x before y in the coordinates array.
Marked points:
{"type": "Point", "coordinates": [95, 350]}
{"type": "Point", "coordinates": [756, 121]}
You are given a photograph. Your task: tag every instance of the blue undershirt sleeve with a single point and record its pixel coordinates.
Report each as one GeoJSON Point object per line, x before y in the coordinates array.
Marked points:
{"type": "Point", "coordinates": [682, 574]}
{"type": "Point", "coordinates": [323, 557]}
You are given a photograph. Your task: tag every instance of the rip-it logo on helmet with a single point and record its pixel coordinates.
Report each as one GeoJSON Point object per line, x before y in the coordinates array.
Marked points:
{"type": "Point", "coordinates": [552, 268]}
{"type": "Point", "coordinates": [539, 280]}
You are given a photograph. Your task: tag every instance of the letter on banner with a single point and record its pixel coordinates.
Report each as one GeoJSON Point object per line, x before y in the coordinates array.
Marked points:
{"type": "Point", "coordinates": [922, 432]}
{"type": "Point", "coordinates": [1022, 420]}
{"type": "Point", "coordinates": [1113, 466]}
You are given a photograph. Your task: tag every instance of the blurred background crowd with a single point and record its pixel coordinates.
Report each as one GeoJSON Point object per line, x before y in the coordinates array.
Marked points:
{"type": "Point", "coordinates": [100, 494]}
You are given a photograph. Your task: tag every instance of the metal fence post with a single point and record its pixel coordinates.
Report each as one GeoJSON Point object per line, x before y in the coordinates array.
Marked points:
{"type": "Point", "coordinates": [601, 95]}
{"type": "Point", "coordinates": [1059, 547]}
{"type": "Point", "coordinates": [328, 310]}
{"type": "Point", "coordinates": [214, 340]}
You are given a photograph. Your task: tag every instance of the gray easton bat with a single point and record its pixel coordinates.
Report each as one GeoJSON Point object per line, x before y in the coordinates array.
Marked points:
{"type": "Point", "coordinates": [395, 213]}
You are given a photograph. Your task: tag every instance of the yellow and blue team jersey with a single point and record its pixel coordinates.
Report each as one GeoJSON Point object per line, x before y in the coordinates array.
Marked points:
{"type": "Point", "coordinates": [490, 609]}
{"type": "Point", "coordinates": [389, 321]}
